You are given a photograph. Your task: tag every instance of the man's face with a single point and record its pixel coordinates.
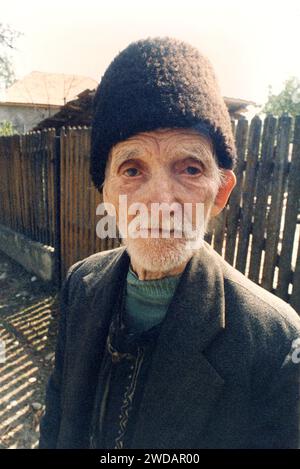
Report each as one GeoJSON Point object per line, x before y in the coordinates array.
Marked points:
{"type": "Point", "coordinates": [165, 165]}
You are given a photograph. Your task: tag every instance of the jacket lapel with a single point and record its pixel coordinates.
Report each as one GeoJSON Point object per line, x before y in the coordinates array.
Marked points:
{"type": "Point", "coordinates": [182, 386]}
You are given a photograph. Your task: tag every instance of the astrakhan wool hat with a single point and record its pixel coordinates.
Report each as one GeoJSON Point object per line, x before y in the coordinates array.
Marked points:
{"type": "Point", "coordinates": [154, 83]}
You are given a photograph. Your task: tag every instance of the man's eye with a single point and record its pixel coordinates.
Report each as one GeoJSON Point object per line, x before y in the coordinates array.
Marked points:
{"type": "Point", "coordinates": [132, 171]}
{"type": "Point", "coordinates": [193, 170]}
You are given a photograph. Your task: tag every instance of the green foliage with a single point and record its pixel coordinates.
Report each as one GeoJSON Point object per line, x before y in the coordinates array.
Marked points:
{"type": "Point", "coordinates": [287, 101]}
{"type": "Point", "coordinates": [7, 129]}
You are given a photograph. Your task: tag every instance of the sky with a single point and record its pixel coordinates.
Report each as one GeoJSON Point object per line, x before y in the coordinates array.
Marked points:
{"type": "Point", "coordinates": [250, 44]}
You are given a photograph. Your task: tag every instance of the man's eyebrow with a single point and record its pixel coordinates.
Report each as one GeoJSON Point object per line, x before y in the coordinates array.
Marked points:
{"type": "Point", "coordinates": [123, 155]}
{"type": "Point", "coordinates": [194, 151]}
{"type": "Point", "coordinates": [190, 154]}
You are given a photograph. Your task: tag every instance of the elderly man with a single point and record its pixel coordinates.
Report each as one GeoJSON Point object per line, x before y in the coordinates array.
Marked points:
{"type": "Point", "coordinates": [163, 344]}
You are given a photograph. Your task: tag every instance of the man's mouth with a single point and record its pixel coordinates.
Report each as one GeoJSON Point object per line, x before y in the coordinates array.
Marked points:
{"type": "Point", "coordinates": [160, 231]}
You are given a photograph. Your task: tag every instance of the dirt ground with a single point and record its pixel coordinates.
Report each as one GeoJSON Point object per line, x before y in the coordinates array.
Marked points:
{"type": "Point", "coordinates": [28, 330]}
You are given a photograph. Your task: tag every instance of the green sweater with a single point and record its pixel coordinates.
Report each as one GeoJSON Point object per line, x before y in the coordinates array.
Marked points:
{"type": "Point", "coordinates": [147, 301]}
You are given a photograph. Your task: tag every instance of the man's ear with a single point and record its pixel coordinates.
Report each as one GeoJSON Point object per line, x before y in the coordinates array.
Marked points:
{"type": "Point", "coordinates": [224, 192]}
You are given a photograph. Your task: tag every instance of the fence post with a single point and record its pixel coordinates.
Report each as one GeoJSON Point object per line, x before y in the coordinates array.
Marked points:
{"type": "Point", "coordinates": [57, 243]}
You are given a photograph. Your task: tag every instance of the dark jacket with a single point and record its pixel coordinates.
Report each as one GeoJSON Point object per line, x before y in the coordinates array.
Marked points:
{"type": "Point", "coordinates": [223, 372]}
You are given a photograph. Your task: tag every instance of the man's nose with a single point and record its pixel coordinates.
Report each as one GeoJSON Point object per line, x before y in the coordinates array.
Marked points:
{"type": "Point", "coordinates": [161, 189]}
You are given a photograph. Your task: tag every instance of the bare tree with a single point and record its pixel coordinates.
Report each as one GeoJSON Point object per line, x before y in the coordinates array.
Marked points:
{"type": "Point", "coordinates": [7, 40]}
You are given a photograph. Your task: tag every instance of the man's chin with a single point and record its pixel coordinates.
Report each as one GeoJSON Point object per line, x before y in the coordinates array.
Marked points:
{"type": "Point", "coordinates": [158, 254]}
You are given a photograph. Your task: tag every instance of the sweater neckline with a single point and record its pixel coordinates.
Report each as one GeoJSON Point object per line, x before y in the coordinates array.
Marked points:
{"type": "Point", "coordinates": [152, 290]}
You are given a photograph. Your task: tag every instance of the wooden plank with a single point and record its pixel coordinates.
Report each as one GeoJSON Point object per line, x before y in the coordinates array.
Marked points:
{"type": "Point", "coordinates": [63, 201]}
{"type": "Point", "coordinates": [34, 189]}
{"type": "Point", "coordinates": [30, 178]}
{"type": "Point", "coordinates": [295, 296]}
{"type": "Point", "coordinates": [248, 193]}
{"type": "Point", "coordinates": [46, 171]}
{"type": "Point", "coordinates": [50, 136]}
{"type": "Point", "coordinates": [235, 196]}
{"type": "Point", "coordinates": [88, 224]}
{"type": "Point", "coordinates": [17, 182]}
{"type": "Point", "coordinates": [263, 189]}
{"type": "Point", "coordinates": [26, 184]}
{"type": "Point", "coordinates": [291, 214]}
{"type": "Point", "coordinates": [75, 198]}
{"type": "Point", "coordinates": [83, 198]}
{"type": "Point", "coordinates": [81, 253]}
{"type": "Point", "coordinates": [40, 176]}
{"type": "Point", "coordinates": [22, 183]}
{"type": "Point", "coordinates": [72, 178]}
{"type": "Point", "coordinates": [50, 142]}
{"type": "Point", "coordinates": [43, 184]}
{"type": "Point", "coordinates": [68, 215]}
{"type": "Point", "coordinates": [219, 232]}
{"type": "Point", "coordinates": [39, 159]}
{"type": "Point", "coordinates": [275, 213]}
{"type": "Point", "coordinates": [4, 214]}
{"type": "Point", "coordinates": [13, 184]}
{"type": "Point", "coordinates": [87, 198]}
{"type": "Point", "coordinates": [95, 242]}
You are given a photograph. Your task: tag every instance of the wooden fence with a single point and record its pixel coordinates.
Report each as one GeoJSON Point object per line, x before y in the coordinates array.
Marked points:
{"type": "Point", "coordinates": [27, 185]}
{"type": "Point", "coordinates": [47, 194]}
{"type": "Point", "coordinates": [78, 200]}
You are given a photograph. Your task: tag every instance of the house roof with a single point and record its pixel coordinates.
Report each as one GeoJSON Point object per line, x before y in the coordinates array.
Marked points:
{"type": "Point", "coordinates": [237, 107]}
{"type": "Point", "coordinates": [48, 88]}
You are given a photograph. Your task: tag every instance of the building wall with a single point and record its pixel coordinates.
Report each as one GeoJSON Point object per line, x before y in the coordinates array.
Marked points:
{"type": "Point", "coordinates": [25, 118]}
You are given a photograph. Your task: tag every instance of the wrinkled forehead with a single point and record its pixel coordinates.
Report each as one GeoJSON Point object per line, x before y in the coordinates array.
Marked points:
{"type": "Point", "coordinates": [166, 140]}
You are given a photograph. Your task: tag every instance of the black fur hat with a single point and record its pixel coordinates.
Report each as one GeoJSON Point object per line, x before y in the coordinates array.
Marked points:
{"type": "Point", "coordinates": [156, 83]}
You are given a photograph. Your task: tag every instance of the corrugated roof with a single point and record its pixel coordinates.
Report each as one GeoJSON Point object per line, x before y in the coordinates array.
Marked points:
{"type": "Point", "coordinates": [48, 88]}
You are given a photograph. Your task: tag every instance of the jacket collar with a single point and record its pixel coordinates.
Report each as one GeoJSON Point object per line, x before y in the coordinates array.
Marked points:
{"type": "Point", "coordinates": [182, 386]}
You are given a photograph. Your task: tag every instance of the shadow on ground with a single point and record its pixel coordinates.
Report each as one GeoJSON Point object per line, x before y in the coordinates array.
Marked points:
{"type": "Point", "coordinates": [28, 329]}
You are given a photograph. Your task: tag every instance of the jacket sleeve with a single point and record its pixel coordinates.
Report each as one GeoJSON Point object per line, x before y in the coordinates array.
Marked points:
{"type": "Point", "coordinates": [50, 422]}
{"type": "Point", "coordinates": [277, 414]}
